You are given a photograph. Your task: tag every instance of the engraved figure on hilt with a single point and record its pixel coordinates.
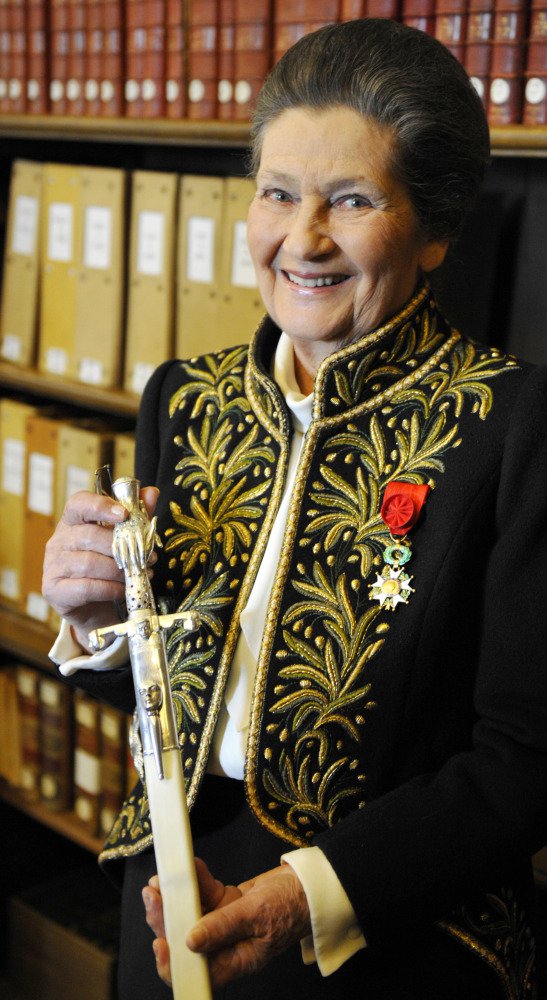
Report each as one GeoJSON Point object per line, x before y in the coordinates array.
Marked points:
{"type": "Point", "coordinates": [133, 544]}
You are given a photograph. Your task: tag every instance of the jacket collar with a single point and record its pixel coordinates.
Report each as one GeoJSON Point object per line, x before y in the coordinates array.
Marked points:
{"type": "Point", "coordinates": [352, 376]}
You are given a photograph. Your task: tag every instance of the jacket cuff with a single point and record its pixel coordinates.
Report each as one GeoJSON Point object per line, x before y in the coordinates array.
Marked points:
{"type": "Point", "coordinates": [336, 934]}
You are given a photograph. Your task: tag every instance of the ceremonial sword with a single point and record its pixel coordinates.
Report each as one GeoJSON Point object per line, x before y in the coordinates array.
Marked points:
{"type": "Point", "coordinates": [132, 546]}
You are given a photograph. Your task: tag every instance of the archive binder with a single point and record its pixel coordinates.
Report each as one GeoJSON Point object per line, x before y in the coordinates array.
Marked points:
{"type": "Point", "coordinates": [198, 265]}
{"type": "Point", "coordinates": [149, 328]}
{"type": "Point", "coordinates": [13, 450]}
{"type": "Point", "coordinates": [98, 330]}
{"type": "Point", "coordinates": [40, 507]}
{"type": "Point", "coordinates": [82, 447]}
{"type": "Point", "coordinates": [241, 308]}
{"type": "Point", "coordinates": [21, 264]}
{"type": "Point", "coordinates": [61, 233]}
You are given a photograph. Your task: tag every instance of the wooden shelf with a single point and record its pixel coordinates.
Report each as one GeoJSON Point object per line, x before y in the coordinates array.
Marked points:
{"type": "Point", "coordinates": [64, 823]}
{"type": "Point", "coordinates": [115, 402]}
{"type": "Point", "coordinates": [154, 132]}
{"type": "Point", "coordinates": [519, 140]}
{"type": "Point", "coordinates": [26, 639]}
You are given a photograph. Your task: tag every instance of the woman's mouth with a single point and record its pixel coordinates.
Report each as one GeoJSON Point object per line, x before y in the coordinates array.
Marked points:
{"type": "Point", "coordinates": [320, 281]}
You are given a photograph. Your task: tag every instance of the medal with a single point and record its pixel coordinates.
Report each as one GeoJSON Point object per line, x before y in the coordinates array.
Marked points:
{"type": "Point", "coordinates": [400, 510]}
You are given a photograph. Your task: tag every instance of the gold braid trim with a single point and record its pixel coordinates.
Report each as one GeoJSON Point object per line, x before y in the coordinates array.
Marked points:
{"type": "Point", "coordinates": [487, 955]}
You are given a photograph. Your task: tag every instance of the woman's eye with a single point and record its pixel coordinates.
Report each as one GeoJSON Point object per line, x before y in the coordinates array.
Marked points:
{"type": "Point", "coordinates": [354, 201]}
{"type": "Point", "coordinates": [277, 196]}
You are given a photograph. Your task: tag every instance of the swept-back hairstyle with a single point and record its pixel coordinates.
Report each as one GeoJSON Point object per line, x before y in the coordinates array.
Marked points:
{"type": "Point", "coordinates": [403, 79]}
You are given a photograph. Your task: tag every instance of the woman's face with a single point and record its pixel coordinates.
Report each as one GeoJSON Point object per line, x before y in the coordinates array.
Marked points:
{"type": "Point", "coordinates": [331, 231]}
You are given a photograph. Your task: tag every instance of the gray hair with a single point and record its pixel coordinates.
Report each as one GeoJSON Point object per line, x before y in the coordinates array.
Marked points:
{"type": "Point", "coordinates": [403, 79]}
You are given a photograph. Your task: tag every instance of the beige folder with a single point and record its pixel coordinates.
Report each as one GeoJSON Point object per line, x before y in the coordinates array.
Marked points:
{"type": "Point", "coordinates": [150, 304]}
{"type": "Point", "coordinates": [40, 507]}
{"type": "Point", "coordinates": [241, 308]}
{"type": "Point", "coordinates": [61, 234]}
{"type": "Point", "coordinates": [123, 463]}
{"type": "Point", "coordinates": [18, 317]}
{"type": "Point", "coordinates": [101, 277]}
{"type": "Point", "coordinates": [82, 447]}
{"type": "Point", "coordinates": [13, 450]}
{"type": "Point", "coordinates": [199, 232]}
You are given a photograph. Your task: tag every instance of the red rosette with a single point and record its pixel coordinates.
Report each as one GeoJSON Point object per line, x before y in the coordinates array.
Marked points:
{"type": "Point", "coordinates": [402, 505]}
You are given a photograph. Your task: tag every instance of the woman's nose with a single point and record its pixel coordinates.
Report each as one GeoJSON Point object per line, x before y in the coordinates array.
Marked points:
{"type": "Point", "coordinates": [308, 234]}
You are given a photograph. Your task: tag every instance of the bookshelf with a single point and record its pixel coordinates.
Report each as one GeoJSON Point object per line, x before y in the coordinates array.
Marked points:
{"type": "Point", "coordinates": [519, 140]}
{"type": "Point", "coordinates": [211, 147]}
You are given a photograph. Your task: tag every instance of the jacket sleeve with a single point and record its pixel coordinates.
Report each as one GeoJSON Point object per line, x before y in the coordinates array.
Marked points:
{"type": "Point", "coordinates": [411, 855]}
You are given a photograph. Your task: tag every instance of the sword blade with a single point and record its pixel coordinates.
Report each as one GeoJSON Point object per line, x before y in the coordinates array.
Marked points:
{"type": "Point", "coordinates": [177, 874]}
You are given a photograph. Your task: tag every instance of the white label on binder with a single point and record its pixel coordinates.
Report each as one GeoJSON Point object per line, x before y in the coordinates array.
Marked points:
{"type": "Point", "coordinates": [59, 234]}
{"type": "Point", "coordinates": [98, 237]}
{"type": "Point", "coordinates": [25, 225]}
{"type": "Point", "coordinates": [9, 583]}
{"type": "Point", "coordinates": [150, 239]}
{"type": "Point", "coordinates": [40, 483]}
{"type": "Point", "coordinates": [243, 272]}
{"type": "Point", "coordinates": [91, 371]}
{"type": "Point", "coordinates": [56, 360]}
{"type": "Point", "coordinates": [13, 467]}
{"type": "Point", "coordinates": [12, 347]}
{"type": "Point", "coordinates": [201, 249]}
{"type": "Point", "coordinates": [141, 374]}
{"type": "Point", "coordinates": [37, 606]}
{"type": "Point", "coordinates": [77, 479]}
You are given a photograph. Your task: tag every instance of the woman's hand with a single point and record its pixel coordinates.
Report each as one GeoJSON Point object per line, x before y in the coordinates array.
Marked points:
{"type": "Point", "coordinates": [80, 577]}
{"type": "Point", "coordinates": [243, 927]}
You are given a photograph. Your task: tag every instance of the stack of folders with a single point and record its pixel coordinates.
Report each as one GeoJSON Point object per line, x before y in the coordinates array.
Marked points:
{"type": "Point", "coordinates": [107, 274]}
{"type": "Point", "coordinates": [46, 455]}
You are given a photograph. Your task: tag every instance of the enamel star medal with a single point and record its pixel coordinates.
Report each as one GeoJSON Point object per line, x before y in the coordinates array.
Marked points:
{"type": "Point", "coordinates": [400, 510]}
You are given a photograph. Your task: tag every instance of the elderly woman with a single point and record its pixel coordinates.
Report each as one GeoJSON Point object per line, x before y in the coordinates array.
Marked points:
{"type": "Point", "coordinates": [356, 505]}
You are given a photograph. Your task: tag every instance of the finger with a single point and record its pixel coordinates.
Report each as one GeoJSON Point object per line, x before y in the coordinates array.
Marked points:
{"type": "Point", "coordinates": [161, 951]}
{"type": "Point", "coordinates": [211, 891]}
{"type": "Point", "coordinates": [88, 507]}
{"type": "Point", "coordinates": [241, 959]}
{"type": "Point", "coordinates": [154, 910]}
{"type": "Point", "coordinates": [222, 927]}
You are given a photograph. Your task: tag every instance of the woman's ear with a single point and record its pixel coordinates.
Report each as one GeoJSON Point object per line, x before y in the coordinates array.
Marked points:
{"type": "Point", "coordinates": [433, 254]}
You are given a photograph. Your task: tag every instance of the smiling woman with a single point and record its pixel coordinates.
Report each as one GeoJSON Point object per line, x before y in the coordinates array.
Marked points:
{"type": "Point", "coordinates": [333, 234]}
{"type": "Point", "coordinates": [355, 505]}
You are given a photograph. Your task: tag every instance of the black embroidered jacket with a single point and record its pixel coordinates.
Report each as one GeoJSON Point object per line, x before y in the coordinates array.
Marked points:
{"type": "Point", "coordinates": [409, 744]}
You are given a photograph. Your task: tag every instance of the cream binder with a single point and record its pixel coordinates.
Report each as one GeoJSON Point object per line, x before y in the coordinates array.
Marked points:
{"type": "Point", "coordinates": [100, 277]}
{"type": "Point", "coordinates": [150, 305]}
{"type": "Point", "coordinates": [199, 249]}
{"type": "Point", "coordinates": [61, 233]}
{"type": "Point", "coordinates": [241, 307]}
{"type": "Point", "coordinates": [13, 451]}
{"type": "Point", "coordinates": [18, 318]}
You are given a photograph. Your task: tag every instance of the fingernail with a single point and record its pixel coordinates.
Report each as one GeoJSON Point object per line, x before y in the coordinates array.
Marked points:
{"type": "Point", "coordinates": [118, 510]}
{"type": "Point", "coordinates": [147, 900]}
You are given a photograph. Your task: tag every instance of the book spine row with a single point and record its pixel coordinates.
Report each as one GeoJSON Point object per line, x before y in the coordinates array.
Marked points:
{"type": "Point", "coordinates": [207, 59]}
{"type": "Point", "coordinates": [63, 748]}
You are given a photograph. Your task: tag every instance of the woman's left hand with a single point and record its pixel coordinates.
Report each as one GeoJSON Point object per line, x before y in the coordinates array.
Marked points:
{"type": "Point", "coordinates": [243, 926]}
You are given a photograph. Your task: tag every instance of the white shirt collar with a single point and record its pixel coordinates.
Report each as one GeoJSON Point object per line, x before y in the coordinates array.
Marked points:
{"type": "Point", "coordinates": [283, 373]}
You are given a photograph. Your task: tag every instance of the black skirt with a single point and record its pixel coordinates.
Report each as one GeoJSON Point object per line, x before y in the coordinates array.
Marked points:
{"type": "Point", "coordinates": [236, 848]}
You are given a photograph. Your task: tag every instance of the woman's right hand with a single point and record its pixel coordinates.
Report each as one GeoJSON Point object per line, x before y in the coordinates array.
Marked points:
{"type": "Point", "coordinates": [80, 577]}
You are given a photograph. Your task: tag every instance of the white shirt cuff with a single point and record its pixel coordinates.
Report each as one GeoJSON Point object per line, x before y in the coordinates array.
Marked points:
{"type": "Point", "coordinates": [68, 655]}
{"type": "Point", "coordinates": [336, 934]}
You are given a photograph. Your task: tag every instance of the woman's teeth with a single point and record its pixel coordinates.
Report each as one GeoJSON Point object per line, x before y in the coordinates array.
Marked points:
{"type": "Point", "coordinates": [330, 279]}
